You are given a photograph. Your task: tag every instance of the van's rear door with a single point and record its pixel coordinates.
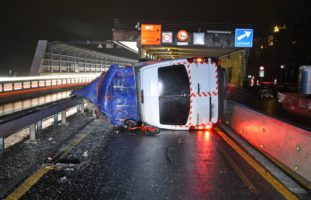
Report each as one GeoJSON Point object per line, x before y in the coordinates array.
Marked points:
{"type": "Point", "coordinates": [204, 95]}
{"type": "Point", "coordinates": [174, 95]}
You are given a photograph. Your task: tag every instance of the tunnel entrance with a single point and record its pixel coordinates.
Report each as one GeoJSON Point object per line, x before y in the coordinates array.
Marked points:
{"type": "Point", "coordinates": [162, 40]}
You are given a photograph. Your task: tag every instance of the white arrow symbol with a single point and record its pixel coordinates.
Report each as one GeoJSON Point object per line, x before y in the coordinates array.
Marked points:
{"type": "Point", "coordinates": [246, 34]}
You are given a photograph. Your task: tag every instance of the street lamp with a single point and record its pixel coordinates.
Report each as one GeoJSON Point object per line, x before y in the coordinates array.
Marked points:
{"type": "Point", "coordinates": [261, 72]}
{"type": "Point", "coordinates": [276, 29]}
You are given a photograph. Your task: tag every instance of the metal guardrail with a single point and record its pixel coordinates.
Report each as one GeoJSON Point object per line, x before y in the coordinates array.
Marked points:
{"type": "Point", "coordinates": [22, 120]}
{"type": "Point", "coordinates": [34, 117]}
{"type": "Point", "coordinates": [9, 84]}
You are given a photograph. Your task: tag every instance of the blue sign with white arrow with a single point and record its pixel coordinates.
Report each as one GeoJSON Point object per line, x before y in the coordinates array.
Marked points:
{"type": "Point", "coordinates": [243, 38]}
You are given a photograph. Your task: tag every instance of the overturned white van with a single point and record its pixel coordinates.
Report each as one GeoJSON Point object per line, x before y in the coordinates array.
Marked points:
{"type": "Point", "coordinates": [180, 94]}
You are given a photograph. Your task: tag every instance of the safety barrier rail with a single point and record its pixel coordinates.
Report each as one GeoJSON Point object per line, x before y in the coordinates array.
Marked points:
{"type": "Point", "coordinates": [34, 117]}
{"type": "Point", "coordinates": [9, 84]}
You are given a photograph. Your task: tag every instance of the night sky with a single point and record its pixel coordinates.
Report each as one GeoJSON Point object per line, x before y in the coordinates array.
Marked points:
{"type": "Point", "coordinates": [23, 23]}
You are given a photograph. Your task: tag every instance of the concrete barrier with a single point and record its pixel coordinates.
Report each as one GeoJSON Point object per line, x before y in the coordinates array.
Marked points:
{"type": "Point", "coordinates": [285, 144]}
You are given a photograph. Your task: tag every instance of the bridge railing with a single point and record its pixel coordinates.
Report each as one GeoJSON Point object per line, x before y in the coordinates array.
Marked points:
{"type": "Point", "coordinates": [9, 84]}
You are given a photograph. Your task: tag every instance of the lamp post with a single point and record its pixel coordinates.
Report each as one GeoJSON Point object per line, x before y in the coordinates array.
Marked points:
{"type": "Point", "coordinates": [261, 72]}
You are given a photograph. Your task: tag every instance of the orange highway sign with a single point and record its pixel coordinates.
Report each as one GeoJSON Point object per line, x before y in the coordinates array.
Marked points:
{"type": "Point", "coordinates": [150, 34]}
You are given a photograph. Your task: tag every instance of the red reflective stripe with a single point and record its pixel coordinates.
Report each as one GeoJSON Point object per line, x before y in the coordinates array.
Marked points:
{"type": "Point", "coordinates": [191, 93]}
{"type": "Point", "coordinates": [215, 93]}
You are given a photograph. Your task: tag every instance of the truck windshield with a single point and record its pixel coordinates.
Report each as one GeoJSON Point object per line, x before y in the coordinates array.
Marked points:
{"type": "Point", "coordinates": [174, 98]}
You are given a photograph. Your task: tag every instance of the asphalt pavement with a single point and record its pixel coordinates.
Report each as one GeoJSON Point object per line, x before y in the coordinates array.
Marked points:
{"type": "Point", "coordinates": [171, 165]}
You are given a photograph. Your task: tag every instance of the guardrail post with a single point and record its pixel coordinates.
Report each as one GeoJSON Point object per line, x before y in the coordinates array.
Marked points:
{"type": "Point", "coordinates": [64, 117]}
{"type": "Point", "coordinates": [1, 146]}
{"type": "Point", "coordinates": [56, 119]}
{"type": "Point", "coordinates": [39, 126]}
{"type": "Point", "coordinates": [94, 114]}
{"type": "Point", "coordinates": [32, 131]}
{"type": "Point", "coordinates": [81, 107]}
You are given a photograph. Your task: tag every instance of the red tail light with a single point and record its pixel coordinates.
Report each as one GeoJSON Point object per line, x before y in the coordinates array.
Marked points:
{"type": "Point", "coordinates": [199, 60]}
{"type": "Point", "coordinates": [207, 126]}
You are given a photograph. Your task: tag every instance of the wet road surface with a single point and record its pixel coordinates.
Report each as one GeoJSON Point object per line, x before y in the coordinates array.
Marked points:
{"type": "Point", "coordinates": [171, 165]}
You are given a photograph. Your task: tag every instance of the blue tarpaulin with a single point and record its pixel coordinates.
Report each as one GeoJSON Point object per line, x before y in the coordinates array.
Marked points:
{"type": "Point", "coordinates": [113, 93]}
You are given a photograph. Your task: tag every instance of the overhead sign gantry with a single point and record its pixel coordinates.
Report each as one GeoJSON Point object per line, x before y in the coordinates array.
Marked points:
{"type": "Point", "coordinates": [168, 40]}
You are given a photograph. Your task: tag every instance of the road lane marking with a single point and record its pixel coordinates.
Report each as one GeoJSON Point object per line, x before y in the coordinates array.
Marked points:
{"type": "Point", "coordinates": [262, 171]}
{"type": "Point", "coordinates": [28, 183]}
{"type": "Point", "coordinates": [34, 178]}
{"type": "Point", "coordinates": [73, 143]}
{"type": "Point", "coordinates": [237, 170]}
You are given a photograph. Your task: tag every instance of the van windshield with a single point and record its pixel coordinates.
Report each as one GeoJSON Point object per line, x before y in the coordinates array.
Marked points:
{"type": "Point", "coordinates": [174, 98]}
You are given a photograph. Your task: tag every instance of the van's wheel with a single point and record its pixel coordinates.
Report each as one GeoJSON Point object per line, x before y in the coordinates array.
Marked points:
{"type": "Point", "coordinates": [130, 123]}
